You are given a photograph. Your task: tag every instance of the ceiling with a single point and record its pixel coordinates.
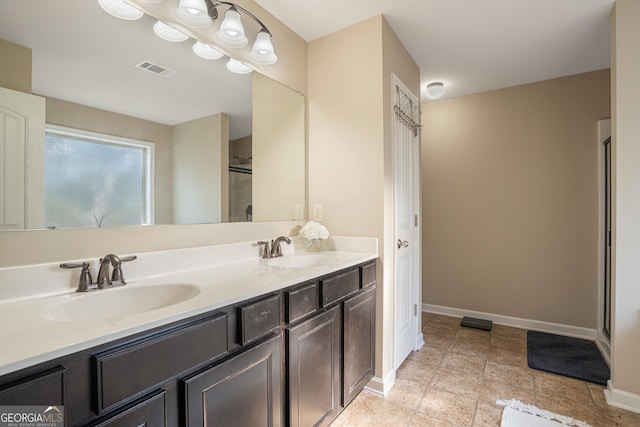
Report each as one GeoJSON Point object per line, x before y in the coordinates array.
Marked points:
{"type": "Point", "coordinates": [472, 45]}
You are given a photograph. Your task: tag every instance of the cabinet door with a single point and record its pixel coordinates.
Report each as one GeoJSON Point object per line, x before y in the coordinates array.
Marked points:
{"type": "Point", "coordinates": [244, 391]}
{"type": "Point", "coordinates": [359, 343]}
{"type": "Point", "coordinates": [314, 370]}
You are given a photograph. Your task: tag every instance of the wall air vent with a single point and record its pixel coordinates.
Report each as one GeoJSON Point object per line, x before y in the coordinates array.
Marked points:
{"type": "Point", "coordinates": [155, 69]}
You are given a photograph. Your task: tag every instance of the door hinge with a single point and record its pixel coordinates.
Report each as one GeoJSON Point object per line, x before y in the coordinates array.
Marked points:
{"type": "Point", "coordinates": [415, 220]}
{"type": "Point", "coordinates": [415, 310]}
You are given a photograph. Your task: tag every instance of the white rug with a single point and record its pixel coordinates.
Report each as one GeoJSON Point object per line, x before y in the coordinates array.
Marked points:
{"type": "Point", "coordinates": [518, 414]}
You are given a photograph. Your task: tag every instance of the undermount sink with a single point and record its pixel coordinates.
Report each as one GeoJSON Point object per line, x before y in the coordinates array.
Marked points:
{"type": "Point", "coordinates": [114, 303]}
{"type": "Point", "coordinates": [299, 261]}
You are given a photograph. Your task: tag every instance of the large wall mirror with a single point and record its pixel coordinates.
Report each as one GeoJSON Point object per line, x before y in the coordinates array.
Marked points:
{"type": "Point", "coordinates": [210, 145]}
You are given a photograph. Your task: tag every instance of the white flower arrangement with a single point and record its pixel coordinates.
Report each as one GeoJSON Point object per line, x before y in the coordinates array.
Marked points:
{"type": "Point", "coordinates": [313, 231]}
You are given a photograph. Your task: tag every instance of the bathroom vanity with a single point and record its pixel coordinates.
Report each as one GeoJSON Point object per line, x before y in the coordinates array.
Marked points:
{"type": "Point", "coordinates": [291, 348]}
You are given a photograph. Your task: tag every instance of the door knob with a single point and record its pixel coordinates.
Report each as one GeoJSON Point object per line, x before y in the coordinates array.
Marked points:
{"type": "Point", "coordinates": [402, 243]}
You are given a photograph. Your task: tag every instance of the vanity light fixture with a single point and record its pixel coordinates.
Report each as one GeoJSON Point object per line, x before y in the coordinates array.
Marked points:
{"type": "Point", "coordinates": [231, 32]}
{"type": "Point", "coordinates": [168, 33]}
{"type": "Point", "coordinates": [205, 51]}
{"type": "Point", "coordinates": [262, 51]}
{"type": "Point", "coordinates": [435, 90]}
{"type": "Point", "coordinates": [120, 9]}
{"type": "Point", "coordinates": [199, 14]}
{"type": "Point", "coordinates": [194, 13]}
{"type": "Point", "coordinates": [238, 67]}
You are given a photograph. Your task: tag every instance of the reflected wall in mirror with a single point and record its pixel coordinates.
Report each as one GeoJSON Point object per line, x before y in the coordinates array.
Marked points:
{"type": "Point", "coordinates": [226, 147]}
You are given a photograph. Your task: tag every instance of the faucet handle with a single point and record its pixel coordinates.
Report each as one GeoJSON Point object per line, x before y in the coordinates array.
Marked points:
{"type": "Point", "coordinates": [85, 281]}
{"type": "Point", "coordinates": [266, 248]}
{"type": "Point", "coordinates": [117, 277]}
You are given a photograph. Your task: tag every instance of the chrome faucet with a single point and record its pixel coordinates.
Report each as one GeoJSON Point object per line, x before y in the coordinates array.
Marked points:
{"type": "Point", "coordinates": [104, 279]}
{"type": "Point", "coordinates": [276, 250]}
{"type": "Point", "coordinates": [116, 278]}
{"type": "Point", "coordinates": [272, 249]}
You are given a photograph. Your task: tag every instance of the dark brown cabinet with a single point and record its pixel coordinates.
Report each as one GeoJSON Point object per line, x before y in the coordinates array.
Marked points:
{"type": "Point", "coordinates": [359, 343]}
{"type": "Point", "coordinates": [228, 367]}
{"type": "Point", "coordinates": [242, 391]}
{"type": "Point", "coordinates": [313, 359]}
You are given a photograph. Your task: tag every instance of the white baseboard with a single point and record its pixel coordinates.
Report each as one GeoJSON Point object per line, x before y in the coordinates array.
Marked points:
{"type": "Point", "coordinates": [622, 399]}
{"type": "Point", "coordinates": [419, 342]}
{"type": "Point", "coordinates": [380, 386]}
{"type": "Point", "coordinates": [516, 322]}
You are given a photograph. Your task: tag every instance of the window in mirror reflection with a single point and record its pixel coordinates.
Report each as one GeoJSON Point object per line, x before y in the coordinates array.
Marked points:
{"type": "Point", "coordinates": [94, 180]}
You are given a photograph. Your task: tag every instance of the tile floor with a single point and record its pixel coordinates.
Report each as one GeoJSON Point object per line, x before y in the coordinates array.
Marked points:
{"type": "Point", "coordinates": [456, 378]}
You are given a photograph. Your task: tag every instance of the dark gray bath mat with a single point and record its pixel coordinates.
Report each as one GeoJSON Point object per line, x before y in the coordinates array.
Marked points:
{"type": "Point", "coordinates": [571, 357]}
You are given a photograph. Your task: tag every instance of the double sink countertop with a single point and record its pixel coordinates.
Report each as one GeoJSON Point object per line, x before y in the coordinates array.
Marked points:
{"type": "Point", "coordinates": [42, 321]}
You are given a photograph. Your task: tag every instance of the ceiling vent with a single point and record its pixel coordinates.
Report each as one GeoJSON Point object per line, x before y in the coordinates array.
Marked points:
{"type": "Point", "coordinates": [155, 69]}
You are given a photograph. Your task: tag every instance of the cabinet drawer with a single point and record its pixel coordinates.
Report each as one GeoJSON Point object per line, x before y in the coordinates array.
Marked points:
{"type": "Point", "coordinates": [368, 275]}
{"type": "Point", "coordinates": [302, 301]}
{"type": "Point", "coordinates": [259, 319]}
{"type": "Point", "coordinates": [149, 413]}
{"type": "Point", "coordinates": [46, 388]}
{"type": "Point", "coordinates": [339, 286]}
{"type": "Point", "coordinates": [126, 372]}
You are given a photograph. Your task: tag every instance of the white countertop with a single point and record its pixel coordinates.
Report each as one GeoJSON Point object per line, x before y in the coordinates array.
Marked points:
{"type": "Point", "coordinates": [28, 337]}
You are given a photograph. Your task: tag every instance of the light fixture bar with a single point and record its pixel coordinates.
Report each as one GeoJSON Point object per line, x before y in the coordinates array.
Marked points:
{"type": "Point", "coordinates": [212, 5]}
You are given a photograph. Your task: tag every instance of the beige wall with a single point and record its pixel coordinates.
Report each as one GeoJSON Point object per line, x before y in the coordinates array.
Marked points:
{"type": "Point", "coordinates": [278, 155]}
{"type": "Point", "coordinates": [291, 68]}
{"type": "Point", "coordinates": [200, 170]}
{"type": "Point", "coordinates": [35, 247]}
{"type": "Point", "coordinates": [510, 200]}
{"type": "Point", "coordinates": [349, 143]}
{"type": "Point", "coordinates": [625, 342]}
{"type": "Point", "coordinates": [15, 72]}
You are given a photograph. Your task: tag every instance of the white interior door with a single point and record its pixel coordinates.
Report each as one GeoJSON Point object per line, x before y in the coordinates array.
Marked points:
{"type": "Point", "coordinates": [21, 177]}
{"type": "Point", "coordinates": [406, 163]}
